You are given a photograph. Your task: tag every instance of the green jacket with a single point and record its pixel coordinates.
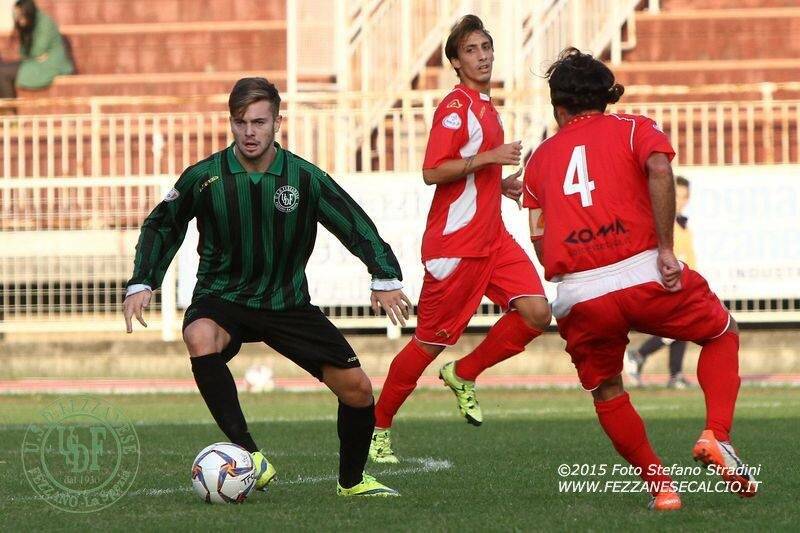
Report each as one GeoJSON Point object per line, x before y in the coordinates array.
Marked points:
{"type": "Point", "coordinates": [35, 74]}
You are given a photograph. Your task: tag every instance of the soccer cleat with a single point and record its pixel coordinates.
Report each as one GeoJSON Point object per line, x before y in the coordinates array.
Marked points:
{"type": "Point", "coordinates": [633, 363]}
{"type": "Point", "coordinates": [465, 394]}
{"type": "Point", "coordinates": [369, 486]}
{"type": "Point", "coordinates": [380, 448]}
{"type": "Point", "coordinates": [711, 451]}
{"type": "Point", "coordinates": [265, 472]}
{"type": "Point", "coordinates": [665, 501]}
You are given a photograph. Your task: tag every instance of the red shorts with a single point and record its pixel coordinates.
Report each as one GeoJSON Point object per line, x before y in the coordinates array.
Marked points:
{"type": "Point", "coordinates": [596, 330]}
{"type": "Point", "coordinates": [454, 287]}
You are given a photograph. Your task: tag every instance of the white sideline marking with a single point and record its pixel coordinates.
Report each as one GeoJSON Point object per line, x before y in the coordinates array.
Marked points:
{"type": "Point", "coordinates": [425, 465]}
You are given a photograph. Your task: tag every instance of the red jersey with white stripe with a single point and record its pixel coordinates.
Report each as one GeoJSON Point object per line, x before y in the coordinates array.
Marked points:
{"type": "Point", "coordinates": [590, 181]}
{"type": "Point", "coordinates": [464, 219]}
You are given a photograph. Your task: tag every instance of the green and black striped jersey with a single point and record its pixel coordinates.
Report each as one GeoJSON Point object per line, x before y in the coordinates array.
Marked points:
{"type": "Point", "coordinates": [257, 231]}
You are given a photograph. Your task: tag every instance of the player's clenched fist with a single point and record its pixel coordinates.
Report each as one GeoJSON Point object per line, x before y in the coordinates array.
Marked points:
{"type": "Point", "coordinates": [508, 154]}
{"type": "Point", "coordinates": [133, 306]}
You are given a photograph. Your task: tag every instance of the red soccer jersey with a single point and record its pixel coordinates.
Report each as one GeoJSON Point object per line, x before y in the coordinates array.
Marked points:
{"type": "Point", "coordinates": [464, 219]}
{"type": "Point", "coordinates": [590, 181]}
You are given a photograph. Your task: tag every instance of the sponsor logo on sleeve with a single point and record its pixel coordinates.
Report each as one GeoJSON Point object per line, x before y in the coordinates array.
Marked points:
{"type": "Point", "coordinates": [455, 104]}
{"type": "Point", "coordinates": [171, 195]}
{"type": "Point", "coordinates": [452, 121]}
{"type": "Point", "coordinates": [208, 182]}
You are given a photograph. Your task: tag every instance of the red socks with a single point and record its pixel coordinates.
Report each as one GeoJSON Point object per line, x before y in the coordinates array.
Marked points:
{"type": "Point", "coordinates": [626, 430]}
{"type": "Point", "coordinates": [718, 375]}
{"type": "Point", "coordinates": [404, 372]}
{"type": "Point", "coordinates": [508, 337]}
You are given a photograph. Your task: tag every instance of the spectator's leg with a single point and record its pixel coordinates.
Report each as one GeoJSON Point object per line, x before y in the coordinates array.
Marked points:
{"type": "Point", "coordinates": [8, 78]}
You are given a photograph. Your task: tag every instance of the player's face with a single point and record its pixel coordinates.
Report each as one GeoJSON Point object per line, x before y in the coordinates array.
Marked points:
{"type": "Point", "coordinates": [254, 131]}
{"type": "Point", "coordinates": [681, 198]}
{"type": "Point", "coordinates": [475, 59]}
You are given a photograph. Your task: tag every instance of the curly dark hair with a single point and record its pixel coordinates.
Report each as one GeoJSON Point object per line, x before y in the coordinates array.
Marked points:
{"type": "Point", "coordinates": [579, 82]}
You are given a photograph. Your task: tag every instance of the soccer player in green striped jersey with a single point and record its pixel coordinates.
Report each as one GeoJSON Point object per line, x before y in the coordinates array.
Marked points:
{"type": "Point", "coordinates": [257, 206]}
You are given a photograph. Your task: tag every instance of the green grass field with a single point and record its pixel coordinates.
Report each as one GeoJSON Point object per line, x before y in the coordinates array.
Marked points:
{"type": "Point", "coordinates": [500, 477]}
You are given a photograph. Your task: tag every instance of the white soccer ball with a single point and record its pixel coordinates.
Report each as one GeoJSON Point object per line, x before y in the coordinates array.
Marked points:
{"type": "Point", "coordinates": [223, 473]}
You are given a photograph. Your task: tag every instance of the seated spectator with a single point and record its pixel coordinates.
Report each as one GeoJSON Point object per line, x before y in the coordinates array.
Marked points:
{"type": "Point", "coordinates": [41, 51]}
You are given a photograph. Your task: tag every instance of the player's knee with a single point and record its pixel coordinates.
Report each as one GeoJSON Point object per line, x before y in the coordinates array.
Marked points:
{"type": "Point", "coordinates": [609, 389]}
{"type": "Point", "coordinates": [204, 337]}
{"type": "Point", "coordinates": [535, 313]}
{"type": "Point", "coordinates": [358, 393]}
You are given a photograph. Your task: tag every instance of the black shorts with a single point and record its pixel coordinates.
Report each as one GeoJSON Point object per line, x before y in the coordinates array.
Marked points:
{"type": "Point", "coordinates": [304, 335]}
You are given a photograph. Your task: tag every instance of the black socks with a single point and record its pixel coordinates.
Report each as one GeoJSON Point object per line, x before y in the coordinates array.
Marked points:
{"type": "Point", "coordinates": [219, 392]}
{"type": "Point", "coordinates": [355, 426]}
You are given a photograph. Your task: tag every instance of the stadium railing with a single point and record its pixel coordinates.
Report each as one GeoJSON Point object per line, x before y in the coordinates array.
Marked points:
{"type": "Point", "coordinates": [100, 143]}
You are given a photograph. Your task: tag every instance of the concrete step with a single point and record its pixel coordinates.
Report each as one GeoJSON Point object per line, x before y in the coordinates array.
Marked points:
{"type": "Point", "coordinates": [178, 47]}
{"type": "Point", "coordinates": [151, 84]}
{"type": "Point", "coordinates": [707, 72]}
{"type": "Point", "coordinates": [669, 5]}
{"type": "Point", "coordinates": [724, 34]}
{"type": "Point", "coordinates": [129, 11]}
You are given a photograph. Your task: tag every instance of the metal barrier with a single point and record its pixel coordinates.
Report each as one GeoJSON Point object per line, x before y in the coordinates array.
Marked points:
{"type": "Point", "coordinates": [108, 144]}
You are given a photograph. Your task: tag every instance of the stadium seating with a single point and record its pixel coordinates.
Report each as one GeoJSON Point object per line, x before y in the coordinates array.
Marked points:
{"type": "Point", "coordinates": [165, 48]}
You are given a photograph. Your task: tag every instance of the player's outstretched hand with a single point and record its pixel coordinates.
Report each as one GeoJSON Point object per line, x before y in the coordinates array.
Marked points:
{"type": "Point", "coordinates": [395, 303]}
{"type": "Point", "coordinates": [508, 154]}
{"type": "Point", "coordinates": [512, 186]}
{"type": "Point", "coordinates": [670, 270]}
{"type": "Point", "coordinates": [133, 306]}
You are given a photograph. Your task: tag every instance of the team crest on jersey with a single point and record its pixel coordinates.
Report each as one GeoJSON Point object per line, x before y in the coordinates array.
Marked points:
{"type": "Point", "coordinates": [452, 121]}
{"type": "Point", "coordinates": [455, 104]}
{"type": "Point", "coordinates": [287, 198]}
{"type": "Point", "coordinates": [171, 195]}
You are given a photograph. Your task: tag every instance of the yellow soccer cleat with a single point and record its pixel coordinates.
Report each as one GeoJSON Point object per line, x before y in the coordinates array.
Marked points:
{"type": "Point", "coordinates": [265, 472]}
{"type": "Point", "coordinates": [369, 486]}
{"type": "Point", "coordinates": [465, 394]}
{"type": "Point", "coordinates": [380, 448]}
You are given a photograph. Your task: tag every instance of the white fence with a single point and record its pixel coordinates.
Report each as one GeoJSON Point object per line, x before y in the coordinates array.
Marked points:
{"type": "Point", "coordinates": [99, 144]}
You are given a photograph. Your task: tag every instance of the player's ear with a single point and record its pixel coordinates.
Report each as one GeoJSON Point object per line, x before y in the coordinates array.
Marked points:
{"type": "Point", "coordinates": [277, 123]}
{"type": "Point", "coordinates": [456, 63]}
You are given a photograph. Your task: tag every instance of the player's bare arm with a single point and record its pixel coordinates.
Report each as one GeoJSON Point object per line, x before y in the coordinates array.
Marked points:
{"type": "Point", "coordinates": [662, 196]}
{"type": "Point", "coordinates": [395, 303]}
{"type": "Point", "coordinates": [455, 169]}
{"type": "Point", "coordinates": [535, 222]}
{"type": "Point", "coordinates": [134, 306]}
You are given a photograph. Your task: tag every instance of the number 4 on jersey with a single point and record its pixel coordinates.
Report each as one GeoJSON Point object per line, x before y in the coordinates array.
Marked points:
{"type": "Point", "coordinates": [578, 169]}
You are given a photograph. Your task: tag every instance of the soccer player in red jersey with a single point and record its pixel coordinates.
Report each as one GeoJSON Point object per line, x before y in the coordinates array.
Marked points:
{"type": "Point", "coordinates": [466, 249]}
{"type": "Point", "coordinates": [602, 204]}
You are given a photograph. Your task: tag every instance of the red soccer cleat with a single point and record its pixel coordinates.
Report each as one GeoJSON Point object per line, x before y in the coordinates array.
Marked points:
{"type": "Point", "coordinates": [711, 451]}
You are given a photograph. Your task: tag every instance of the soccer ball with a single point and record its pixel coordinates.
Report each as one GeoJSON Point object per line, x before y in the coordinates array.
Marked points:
{"type": "Point", "coordinates": [223, 473]}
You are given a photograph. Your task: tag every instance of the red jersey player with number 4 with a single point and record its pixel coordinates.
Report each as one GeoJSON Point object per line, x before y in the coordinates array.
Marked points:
{"type": "Point", "coordinates": [602, 204]}
{"type": "Point", "coordinates": [466, 249]}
